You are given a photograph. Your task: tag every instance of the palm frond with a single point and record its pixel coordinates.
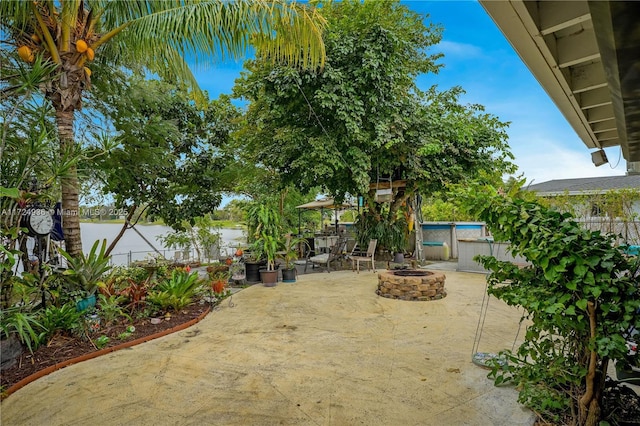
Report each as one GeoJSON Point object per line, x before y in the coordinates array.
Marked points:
{"type": "Point", "coordinates": [205, 30]}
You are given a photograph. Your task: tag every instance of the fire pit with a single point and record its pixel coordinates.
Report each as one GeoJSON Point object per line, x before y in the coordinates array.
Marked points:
{"type": "Point", "coordinates": [411, 284]}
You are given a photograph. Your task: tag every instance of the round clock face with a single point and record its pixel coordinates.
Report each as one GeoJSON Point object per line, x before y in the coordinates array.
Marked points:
{"type": "Point", "coordinates": [40, 221]}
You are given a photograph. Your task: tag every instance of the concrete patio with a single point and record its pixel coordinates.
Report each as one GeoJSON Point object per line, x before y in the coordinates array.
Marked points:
{"type": "Point", "coordinates": [323, 351]}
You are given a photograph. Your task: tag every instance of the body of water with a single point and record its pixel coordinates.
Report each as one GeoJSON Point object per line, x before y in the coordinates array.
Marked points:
{"type": "Point", "coordinates": [133, 247]}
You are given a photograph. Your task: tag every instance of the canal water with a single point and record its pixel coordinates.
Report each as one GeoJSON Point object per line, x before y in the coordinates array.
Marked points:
{"type": "Point", "coordinates": [132, 246]}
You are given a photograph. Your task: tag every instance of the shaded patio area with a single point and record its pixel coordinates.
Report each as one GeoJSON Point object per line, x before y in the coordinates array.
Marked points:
{"type": "Point", "coordinates": [323, 351]}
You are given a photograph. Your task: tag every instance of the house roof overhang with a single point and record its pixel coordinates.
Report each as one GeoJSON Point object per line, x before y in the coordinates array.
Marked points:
{"type": "Point", "coordinates": [586, 55]}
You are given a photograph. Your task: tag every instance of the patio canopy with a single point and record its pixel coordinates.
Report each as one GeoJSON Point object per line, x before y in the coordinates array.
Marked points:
{"type": "Point", "coordinates": [325, 203]}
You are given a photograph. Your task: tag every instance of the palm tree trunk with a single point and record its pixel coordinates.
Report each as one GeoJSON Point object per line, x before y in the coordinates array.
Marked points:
{"type": "Point", "coordinates": [70, 186]}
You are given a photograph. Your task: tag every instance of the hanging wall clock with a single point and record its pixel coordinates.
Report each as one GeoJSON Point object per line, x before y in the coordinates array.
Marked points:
{"type": "Point", "coordinates": [38, 221]}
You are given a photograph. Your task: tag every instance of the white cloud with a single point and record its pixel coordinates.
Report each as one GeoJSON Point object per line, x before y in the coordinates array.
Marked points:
{"type": "Point", "coordinates": [453, 49]}
{"type": "Point", "coordinates": [548, 160]}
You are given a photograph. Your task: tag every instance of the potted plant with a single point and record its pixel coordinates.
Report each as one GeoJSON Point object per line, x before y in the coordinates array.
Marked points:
{"type": "Point", "coordinates": [254, 260]}
{"type": "Point", "coordinates": [264, 222]}
{"type": "Point", "coordinates": [269, 248]}
{"type": "Point", "coordinates": [85, 273]}
{"type": "Point", "coordinates": [219, 281]}
{"type": "Point", "coordinates": [290, 255]}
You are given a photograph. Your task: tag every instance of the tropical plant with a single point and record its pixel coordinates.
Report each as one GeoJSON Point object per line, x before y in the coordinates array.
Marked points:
{"type": "Point", "coordinates": [291, 249]}
{"type": "Point", "coordinates": [23, 324]}
{"type": "Point", "coordinates": [110, 309]}
{"type": "Point", "coordinates": [391, 235]}
{"type": "Point", "coordinates": [58, 320]}
{"type": "Point", "coordinates": [264, 224]}
{"type": "Point", "coordinates": [176, 292]}
{"type": "Point", "coordinates": [219, 280]}
{"type": "Point", "coordinates": [87, 271]}
{"type": "Point", "coordinates": [102, 341]}
{"type": "Point", "coordinates": [73, 34]}
{"type": "Point", "coordinates": [267, 246]}
{"type": "Point", "coordinates": [580, 293]}
{"type": "Point", "coordinates": [135, 294]}
{"type": "Point", "coordinates": [263, 219]}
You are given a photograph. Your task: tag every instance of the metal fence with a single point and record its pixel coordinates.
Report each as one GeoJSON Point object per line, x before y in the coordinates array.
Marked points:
{"type": "Point", "coordinates": [127, 258]}
{"type": "Point", "coordinates": [628, 231]}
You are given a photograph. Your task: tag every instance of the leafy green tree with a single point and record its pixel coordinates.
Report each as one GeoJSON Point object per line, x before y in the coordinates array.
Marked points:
{"type": "Point", "coordinates": [166, 153]}
{"type": "Point", "coordinates": [151, 35]}
{"type": "Point", "coordinates": [235, 210]}
{"type": "Point", "coordinates": [362, 117]}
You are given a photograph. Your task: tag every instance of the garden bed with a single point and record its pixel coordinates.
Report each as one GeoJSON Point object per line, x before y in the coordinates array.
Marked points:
{"type": "Point", "coordinates": [64, 348]}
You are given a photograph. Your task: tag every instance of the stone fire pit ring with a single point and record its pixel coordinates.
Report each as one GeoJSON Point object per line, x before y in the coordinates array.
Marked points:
{"type": "Point", "coordinates": [411, 284]}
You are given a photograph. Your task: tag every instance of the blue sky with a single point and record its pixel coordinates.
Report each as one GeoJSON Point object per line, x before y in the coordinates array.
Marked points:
{"type": "Point", "coordinates": [479, 58]}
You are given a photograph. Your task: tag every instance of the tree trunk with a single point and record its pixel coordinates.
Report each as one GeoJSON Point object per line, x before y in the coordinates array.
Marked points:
{"type": "Point", "coordinates": [589, 404]}
{"type": "Point", "coordinates": [69, 185]}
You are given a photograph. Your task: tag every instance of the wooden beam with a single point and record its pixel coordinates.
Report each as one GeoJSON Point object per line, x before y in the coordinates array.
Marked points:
{"type": "Point", "coordinates": [387, 185]}
{"type": "Point", "coordinates": [577, 48]}
{"type": "Point", "coordinates": [557, 15]}
{"type": "Point", "coordinates": [595, 98]}
{"type": "Point", "coordinates": [587, 77]}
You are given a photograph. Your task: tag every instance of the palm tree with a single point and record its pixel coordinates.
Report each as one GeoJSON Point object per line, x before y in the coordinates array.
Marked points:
{"type": "Point", "coordinates": [156, 35]}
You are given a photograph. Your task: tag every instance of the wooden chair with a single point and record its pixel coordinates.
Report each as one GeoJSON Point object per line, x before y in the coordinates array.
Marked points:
{"type": "Point", "coordinates": [326, 258]}
{"type": "Point", "coordinates": [368, 257]}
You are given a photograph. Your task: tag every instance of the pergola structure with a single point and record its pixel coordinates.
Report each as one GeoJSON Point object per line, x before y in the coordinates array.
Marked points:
{"type": "Point", "coordinates": [586, 55]}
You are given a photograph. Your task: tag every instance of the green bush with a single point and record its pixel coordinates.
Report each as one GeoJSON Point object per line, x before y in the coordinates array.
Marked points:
{"type": "Point", "coordinates": [580, 293]}
{"type": "Point", "coordinates": [177, 292]}
{"type": "Point", "coordinates": [110, 309]}
{"type": "Point", "coordinates": [56, 320]}
{"type": "Point", "coordinates": [24, 324]}
{"type": "Point", "coordinates": [87, 271]}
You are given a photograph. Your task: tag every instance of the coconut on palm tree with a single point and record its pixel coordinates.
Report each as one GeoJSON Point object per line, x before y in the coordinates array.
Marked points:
{"type": "Point", "coordinates": [153, 35]}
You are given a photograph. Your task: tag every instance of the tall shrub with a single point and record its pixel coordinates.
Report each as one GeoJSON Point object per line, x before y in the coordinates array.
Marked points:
{"type": "Point", "coordinates": [580, 294]}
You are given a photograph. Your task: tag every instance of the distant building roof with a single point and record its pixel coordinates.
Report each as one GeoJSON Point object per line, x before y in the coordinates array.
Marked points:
{"type": "Point", "coordinates": [594, 185]}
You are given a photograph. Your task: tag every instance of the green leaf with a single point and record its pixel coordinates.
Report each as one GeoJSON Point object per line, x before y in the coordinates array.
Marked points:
{"type": "Point", "coordinates": [580, 270]}
{"type": "Point", "coordinates": [572, 285]}
{"type": "Point", "coordinates": [9, 192]}
{"type": "Point", "coordinates": [582, 304]}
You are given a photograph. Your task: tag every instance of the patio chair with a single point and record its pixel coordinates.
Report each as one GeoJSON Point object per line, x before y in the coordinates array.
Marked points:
{"type": "Point", "coordinates": [352, 248]}
{"type": "Point", "coordinates": [367, 257]}
{"type": "Point", "coordinates": [326, 258]}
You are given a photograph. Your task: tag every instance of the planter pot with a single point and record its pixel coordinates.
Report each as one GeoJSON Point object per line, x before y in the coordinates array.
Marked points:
{"type": "Point", "coordinates": [269, 278]}
{"type": "Point", "coordinates": [398, 258]}
{"type": "Point", "coordinates": [86, 303]}
{"type": "Point", "coordinates": [289, 275]}
{"type": "Point", "coordinates": [252, 271]}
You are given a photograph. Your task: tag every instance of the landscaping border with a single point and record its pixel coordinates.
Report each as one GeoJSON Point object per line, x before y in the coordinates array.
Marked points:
{"type": "Point", "coordinates": [58, 366]}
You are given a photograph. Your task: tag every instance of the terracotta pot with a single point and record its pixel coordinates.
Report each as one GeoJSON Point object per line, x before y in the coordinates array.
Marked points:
{"type": "Point", "coordinates": [269, 278]}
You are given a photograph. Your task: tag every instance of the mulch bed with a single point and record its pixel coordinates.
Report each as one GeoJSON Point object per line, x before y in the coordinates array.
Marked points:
{"type": "Point", "coordinates": [64, 348]}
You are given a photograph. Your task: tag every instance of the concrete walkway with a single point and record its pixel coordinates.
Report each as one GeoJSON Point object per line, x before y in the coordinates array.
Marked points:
{"type": "Point", "coordinates": [323, 351]}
